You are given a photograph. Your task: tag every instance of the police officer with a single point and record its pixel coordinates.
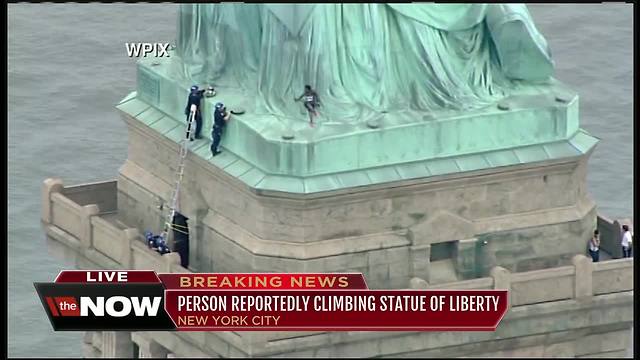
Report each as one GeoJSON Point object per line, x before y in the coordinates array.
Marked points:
{"type": "Point", "coordinates": [195, 98]}
{"type": "Point", "coordinates": [151, 241]}
{"type": "Point", "coordinates": [162, 246]}
{"type": "Point", "coordinates": [220, 119]}
{"type": "Point", "coordinates": [157, 243]}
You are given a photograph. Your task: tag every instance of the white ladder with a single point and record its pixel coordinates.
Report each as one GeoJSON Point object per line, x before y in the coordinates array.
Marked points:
{"type": "Point", "coordinates": [184, 150]}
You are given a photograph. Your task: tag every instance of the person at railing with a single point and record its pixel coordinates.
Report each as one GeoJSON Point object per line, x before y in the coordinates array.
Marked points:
{"type": "Point", "coordinates": [594, 246]}
{"type": "Point", "coordinates": [626, 242]}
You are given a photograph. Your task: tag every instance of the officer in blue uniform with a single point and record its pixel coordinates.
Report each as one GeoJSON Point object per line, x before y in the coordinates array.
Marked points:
{"type": "Point", "coordinates": [195, 98]}
{"type": "Point", "coordinates": [157, 243]}
{"type": "Point", "coordinates": [220, 118]}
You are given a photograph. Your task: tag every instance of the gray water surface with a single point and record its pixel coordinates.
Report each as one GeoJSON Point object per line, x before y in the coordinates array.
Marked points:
{"type": "Point", "coordinates": [68, 68]}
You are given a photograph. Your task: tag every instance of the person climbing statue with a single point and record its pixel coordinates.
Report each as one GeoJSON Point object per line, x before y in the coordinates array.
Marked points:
{"type": "Point", "coordinates": [220, 118]}
{"type": "Point", "coordinates": [311, 102]}
{"type": "Point", "coordinates": [195, 98]}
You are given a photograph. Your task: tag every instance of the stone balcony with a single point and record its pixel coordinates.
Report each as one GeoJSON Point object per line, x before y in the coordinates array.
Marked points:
{"type": "Point", "coordinates": [584, 309]}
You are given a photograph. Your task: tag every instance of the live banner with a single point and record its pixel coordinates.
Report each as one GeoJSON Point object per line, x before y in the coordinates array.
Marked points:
{"type": "Point", "coordinates": [144, 300]}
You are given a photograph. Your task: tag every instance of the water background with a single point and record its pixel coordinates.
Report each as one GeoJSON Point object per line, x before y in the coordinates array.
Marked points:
{"type": "Point", "coordinates": [68, 68]}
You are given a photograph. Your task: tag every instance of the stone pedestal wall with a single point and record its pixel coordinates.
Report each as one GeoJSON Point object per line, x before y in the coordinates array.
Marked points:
{"type": "Point", "coordinates": [521, 217]}
{"type": "Point", "coordinates": [583, 309]}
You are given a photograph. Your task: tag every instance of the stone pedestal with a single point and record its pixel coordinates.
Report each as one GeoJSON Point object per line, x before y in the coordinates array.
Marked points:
{"type": "Point", "coordinates": [360, 199]}
{"type": "Point", "coordinates": [522, 217]}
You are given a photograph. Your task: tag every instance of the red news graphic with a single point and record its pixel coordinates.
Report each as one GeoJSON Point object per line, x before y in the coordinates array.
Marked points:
{"type": "Point", "coordinates": [144, 300]}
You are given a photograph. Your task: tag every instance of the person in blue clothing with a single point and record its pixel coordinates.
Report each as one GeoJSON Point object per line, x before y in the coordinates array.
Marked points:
{"type": "Point", "coordinates": [195, 98]}
{"type": "Point", "coordinates": [157, 243]}
{"type": "Point", "coordinates": [220, 118]}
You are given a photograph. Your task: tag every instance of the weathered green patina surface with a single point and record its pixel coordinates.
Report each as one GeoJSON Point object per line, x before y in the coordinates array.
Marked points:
{"type": "Point", "coordinates": [440, 82]}
{"type": "Point", "coordinates": [362, 58]}
{"type": "Point", "coordinates": [258, 177]}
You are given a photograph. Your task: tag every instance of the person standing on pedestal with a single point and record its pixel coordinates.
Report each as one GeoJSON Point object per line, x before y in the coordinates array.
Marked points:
{"type": "Point", "coordinates": [220, 119]}
{"type": "Point", "coordinates": [195, 98]}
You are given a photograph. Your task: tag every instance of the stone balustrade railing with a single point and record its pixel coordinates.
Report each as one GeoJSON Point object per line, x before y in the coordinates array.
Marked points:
{"type": "Point", "coordinates": [99, 238]}
{"type": "Point", "coordinates": [583, 279]}
{"type": "Point", "coordinates": [103, 194]}
{"type": "Point", "coordinates": [115, 247]}
{"type": "Point", "coordinates": [126, 248]}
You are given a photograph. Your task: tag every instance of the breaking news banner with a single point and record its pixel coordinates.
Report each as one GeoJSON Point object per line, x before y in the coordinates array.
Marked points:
{"type": "Point", "coordinates": [143, 300]}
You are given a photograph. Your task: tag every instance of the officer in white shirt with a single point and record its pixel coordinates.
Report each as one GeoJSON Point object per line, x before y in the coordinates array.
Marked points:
{"type": "Point", "coordinates": [626, 241]}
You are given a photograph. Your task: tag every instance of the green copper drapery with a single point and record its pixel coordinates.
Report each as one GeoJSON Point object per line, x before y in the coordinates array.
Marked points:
{"type": "Point", "coordinates": [362, 58]}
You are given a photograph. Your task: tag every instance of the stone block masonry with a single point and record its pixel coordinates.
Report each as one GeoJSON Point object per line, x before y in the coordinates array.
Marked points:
{"type": "Point", "coordinates": [524, 217]}
{"type": "Point", "coordinates": [586, 314]}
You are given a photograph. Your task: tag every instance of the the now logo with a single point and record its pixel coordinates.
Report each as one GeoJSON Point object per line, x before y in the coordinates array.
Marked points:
{"type": "Point", "coordinates": [140, 306]}
{"type": "Point", "coordinates": [96, 300]}
{"type": "Point", "coordinates": [114, 306]}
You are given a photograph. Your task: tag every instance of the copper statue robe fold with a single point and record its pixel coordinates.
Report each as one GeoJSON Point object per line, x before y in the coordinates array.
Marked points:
{"type": "Point", "coordinates": [363, 58]}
